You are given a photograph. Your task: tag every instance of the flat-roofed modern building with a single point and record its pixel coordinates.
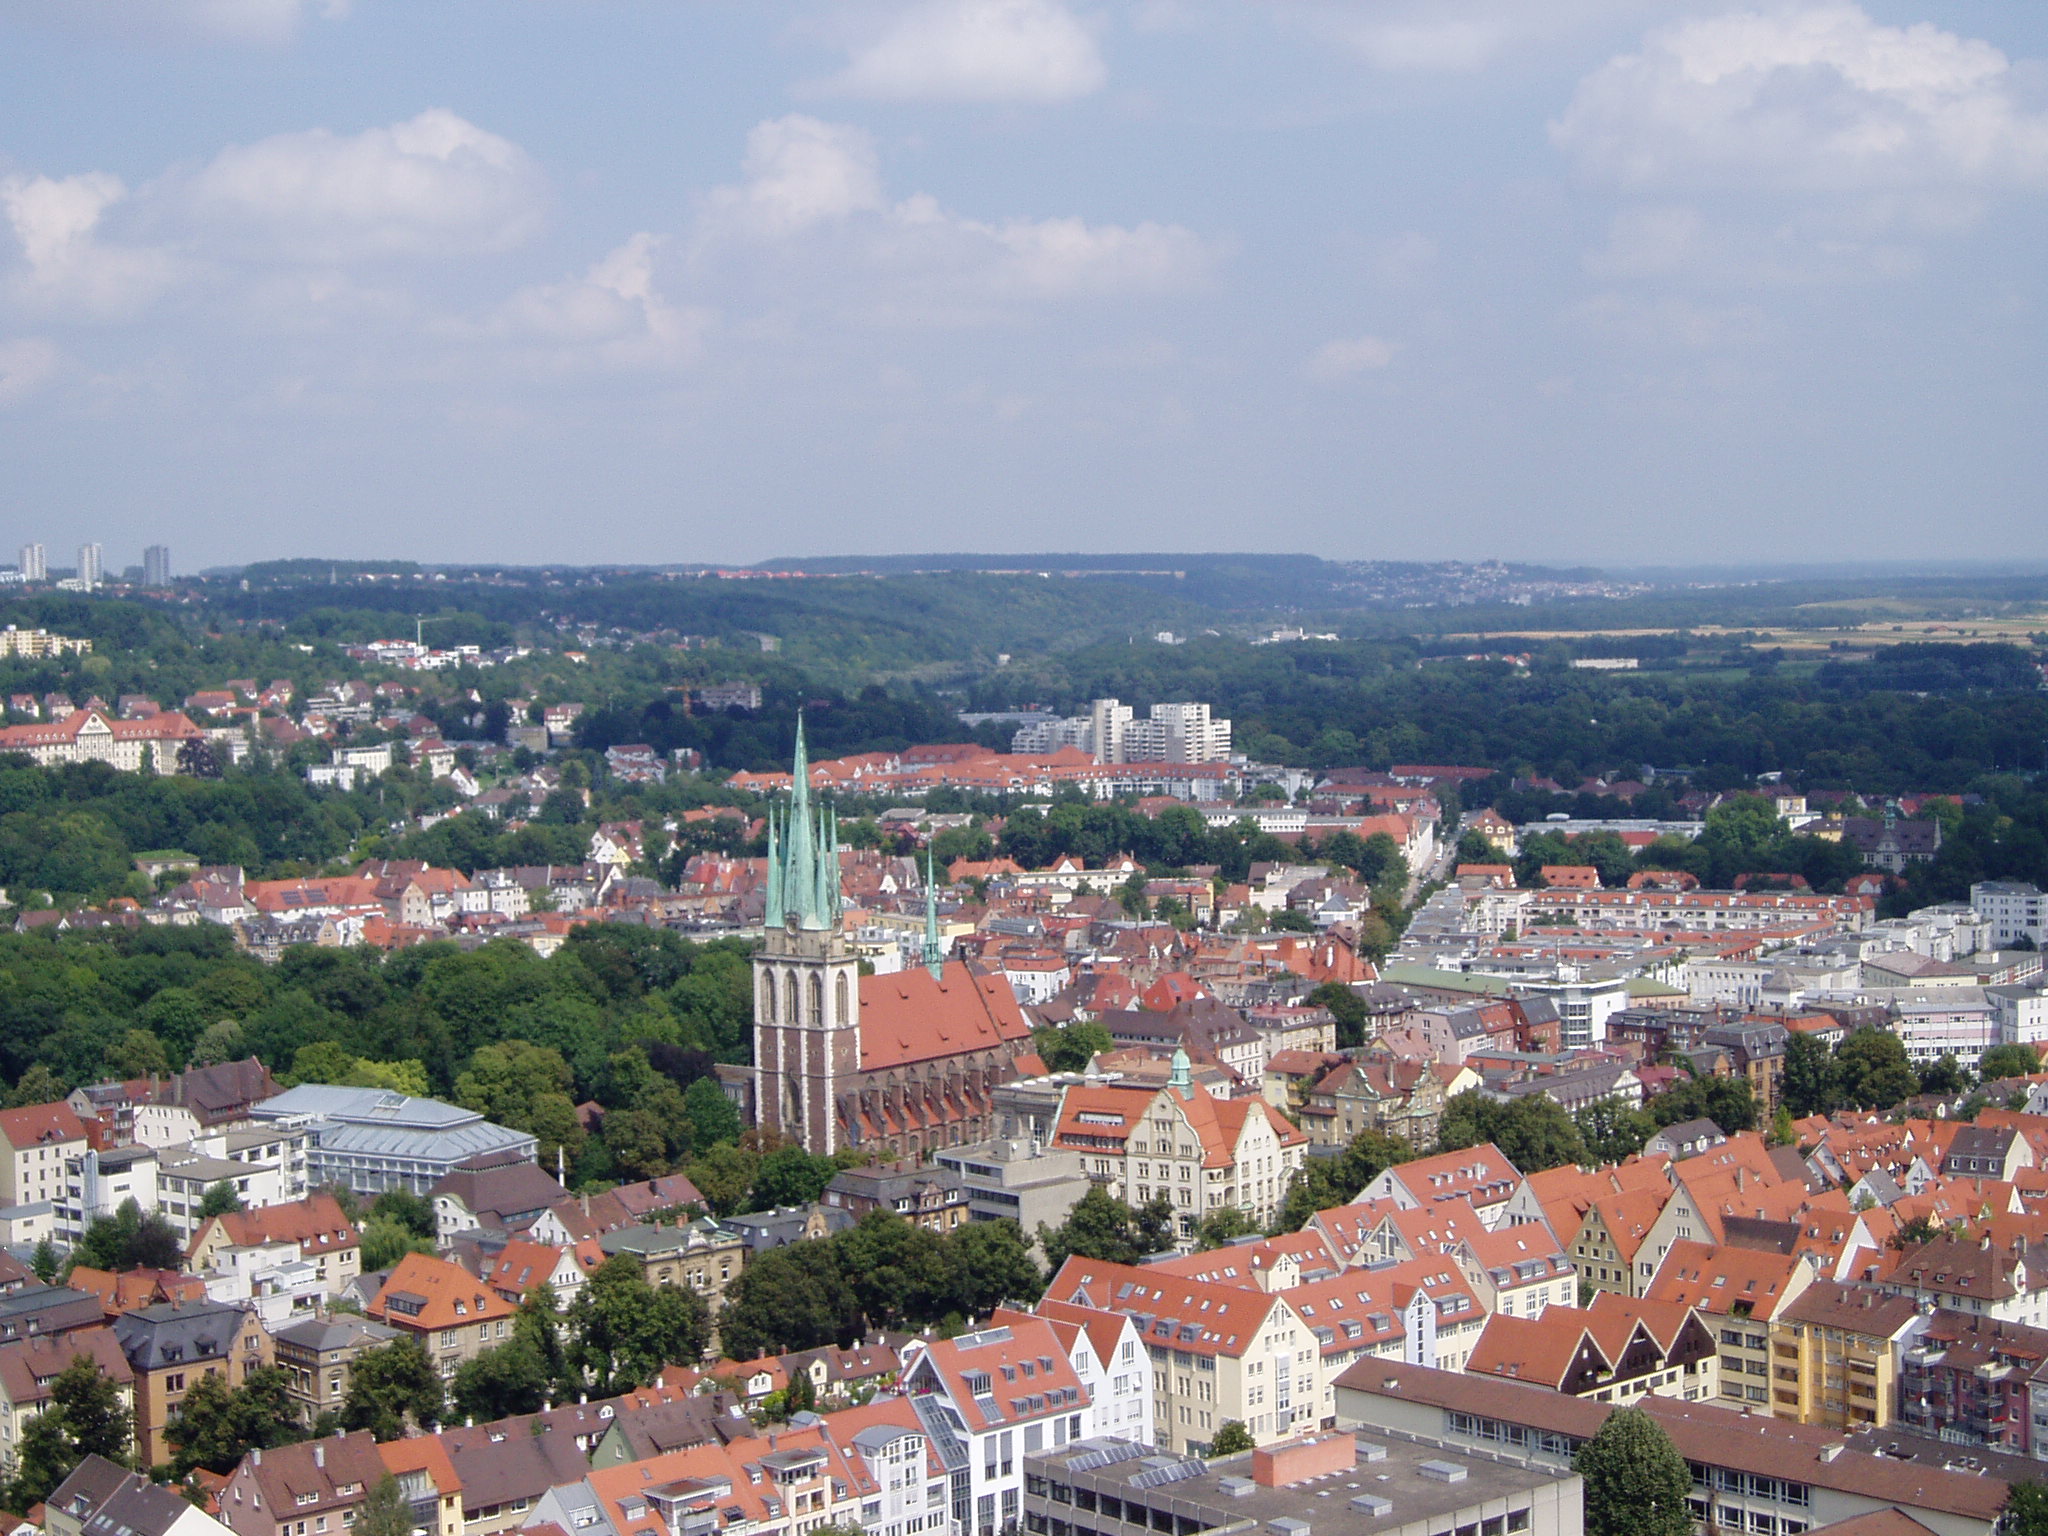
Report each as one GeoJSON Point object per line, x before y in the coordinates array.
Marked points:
{"type": "Point", "coordinates": [1337, 1484]}
{"type": "Point", "coordinates": [371, 1140]}
{"type": "Point", "coordinates": [1750, 1472]}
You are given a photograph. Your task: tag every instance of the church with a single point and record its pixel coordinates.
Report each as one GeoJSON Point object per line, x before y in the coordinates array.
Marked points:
{"type": "Point", "coordinates": [903, 1063]}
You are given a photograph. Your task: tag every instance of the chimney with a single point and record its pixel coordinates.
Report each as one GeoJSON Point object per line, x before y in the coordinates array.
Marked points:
{"type": "Point", "coordinates": [256, 1457]}
{"type": "Point", "coordinates": [319, 1455]}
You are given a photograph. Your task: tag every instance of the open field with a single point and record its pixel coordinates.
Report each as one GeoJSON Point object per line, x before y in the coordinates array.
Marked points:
{"type": "Point", "coordinates": [2017, 629]}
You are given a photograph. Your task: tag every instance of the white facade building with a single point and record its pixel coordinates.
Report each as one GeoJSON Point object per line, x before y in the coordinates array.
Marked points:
{"type": "Point", "coordinates": [2015, 911]}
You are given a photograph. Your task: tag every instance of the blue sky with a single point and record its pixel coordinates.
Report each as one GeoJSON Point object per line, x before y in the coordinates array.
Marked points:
{"type": "Point", "coordinates": [544, 280]}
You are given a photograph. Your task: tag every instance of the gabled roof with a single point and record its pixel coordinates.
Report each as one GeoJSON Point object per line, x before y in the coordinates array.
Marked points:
{"type": "Point", "coordinates": [1012, 1374]}
{"type": "Point", "coordinates": [333, 1471]}
{"type": "Point", "coordinates": [315, 1223]}
{"type": "Point", "coordinates": [34, 1125]}
{"type": "Point", "coordinates": [1481, 1174]}
{"type": "Point", "coordinates": [1628, 1217]}
{"type": "Point", "coordinates": [1547, 1351]}
{"type": "Point", "coordinates": [1192, 1315]}
{"type": "Point", "coordinates": [425, 1294]}
{"type": "Point", "coordinates": [909, 1016]}
{"type": "Point", "coordinates": [1717, 1280]}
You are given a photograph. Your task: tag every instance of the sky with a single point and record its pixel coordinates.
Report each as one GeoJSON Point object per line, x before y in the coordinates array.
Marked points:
{"type": "Point", "coordinates": [681, 281]}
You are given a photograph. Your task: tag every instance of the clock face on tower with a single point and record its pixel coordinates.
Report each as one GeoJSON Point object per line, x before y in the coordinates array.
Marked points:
{"type": "Point", "coordinates": [789, 922]}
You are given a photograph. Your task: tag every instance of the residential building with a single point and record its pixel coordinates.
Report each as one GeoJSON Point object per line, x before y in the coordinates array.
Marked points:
{"type": "Point", "coordinates": [156, 565]}
{"type": "Point", "coordinates": [35, 563]}
{"type": "Point", "coordinates": [1109, 1356]}
{"type": "Point", "coordinates": [37, 1142]}
{"type": "Point", "coordinates": [1756, 1054]}
{"type": "Point", "coordinates": [451, 1314]}
{"type": "Point", "coordinates": [91, 567]}
{"type": "Point", "coordinates": [1398, 1096]}
{"type": "Point", "coordinates": [263, 1166]}
{"type": "Point", "coordinates": [799, 1482]}
{"type": "Point", "coordinates": [1411, 1488]}
{"type": "Point", "coordinates": [1202, 1153]}
{"type": "Point", "coordinates": [1481, 1176]}
{"type": "Point", "coordinates": [314, 1228]}
{"type": "Point", "coordinates": [101, 1499]}
{"type": "Point", "coordinates": [2014, 910]}
{"type": "Point", "coordinates": [987, 1400]}
{"type": "Point", "coordinates": [199, 1100]}
{"type": "Point", "coordinates": [370, 1140]}
{"type": "Point", "coordinates": [1835, 1354]}
{"type": "Point", "coordinates": [522, 1266]}
{"type": "Point", "coordinates": [704, 1255]}
{"type": "Point", "coordinates": [427, 1481]}
{"type": "Point", "coordinates": [1520, 1271]}
{"type": "Point", "coordinates": [508, 1466]}
{"type": "Point", "coordinates": [1749, 1472]}
{"type": "Point", "coordinates": [97, 1182]}
{"type": "Point", "coordinates": [314, 1488]}
{"type": "Point", "coordinates": [496, 1192]}
{"type": "Point", "coordinates": [28, 1366]}
{"type": "Point", "coordinates": [317, 1354]}
{"type": "Point", "coordinates": [1740, 1292]}
{"type": "Point", "coordinates": [1976, 1381]}
{"type": "Point", "coordinates": [932, 1198]}
{"type": "Point", "coordinates": [1975, 1275]}
{"type": "Point", "coordinates": [171, 1345]}
{"type": "Point", "coordinates": [32, 1309]}
{"type": "Point", "coordinates": [1218, 1352]}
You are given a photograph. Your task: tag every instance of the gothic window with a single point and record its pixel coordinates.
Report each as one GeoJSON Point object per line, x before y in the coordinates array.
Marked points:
{"type": "Point", "coordinates": [842, 1010]}
{"type": "Point", "coordinates": [792, 997]}
{"type": "Point", "coordinates": [768, 997]}
{"type": "Point", "coordinates": [817, 1008]}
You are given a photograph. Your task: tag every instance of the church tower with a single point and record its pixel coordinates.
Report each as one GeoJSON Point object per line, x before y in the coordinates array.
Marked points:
{"type": "Point", "coordinates": [806, 983]}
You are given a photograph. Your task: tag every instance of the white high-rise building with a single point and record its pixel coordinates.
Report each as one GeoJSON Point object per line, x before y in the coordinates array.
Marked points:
{"type": "Point", "coordinates": [156, 566]}
{"type": "Point", "coordinates": [35, 563]}
{"type": "Point", "coordinates": [1171, 733]}
{"type": "Point", "coordinates": [90, 572]}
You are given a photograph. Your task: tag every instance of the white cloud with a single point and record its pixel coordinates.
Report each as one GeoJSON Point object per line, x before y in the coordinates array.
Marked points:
{"type": "Point", "coordinates": [434, 185]}
{"type": "Point", "coordinates": [1335, 361]}
{"type": "Point", "coordinates": [613, 315]}
{"type": "Point", "coordinates": [26, 363]}
{"type": "Point", "coordinates": [1071, 256]}
{"type": "Point", "coordinates": [1454, 35]}
{"type": "Point", "coordinates": [68, 269]}
{"type": "Point", "coordinates": [1822, 99]}
{"type": "Point", "coordinates": [801, 172]}
{"type": "Point", "coordinates": [234, 21]}
{"type": "Point", "coordinates": [814, 190]}
{"type": "Point", "coordinates": [977, 50]}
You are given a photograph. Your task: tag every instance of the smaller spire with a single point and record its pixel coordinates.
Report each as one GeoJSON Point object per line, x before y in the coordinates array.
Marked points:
{"type": "Point", "coordinates": [1182, 1075]}
{"type": "Point", "coordinates": [934, 956]}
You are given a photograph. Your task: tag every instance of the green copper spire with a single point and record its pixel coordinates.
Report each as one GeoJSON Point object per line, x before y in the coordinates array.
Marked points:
{"type": "Point", "coordinates": [803, 870]}
{"type": "Point", "coordinates": [934, 956]}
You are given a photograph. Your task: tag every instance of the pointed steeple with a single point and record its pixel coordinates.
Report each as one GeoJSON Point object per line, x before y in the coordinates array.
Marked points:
{"type": "Point", "coordinates": [800, 873]}
{"type": "Point", "coordinates": [1182, 1074]}
{"type": "Point", "coordinates": [934, 956]}
{"type": "Point", "coordinates": [803, 855]}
